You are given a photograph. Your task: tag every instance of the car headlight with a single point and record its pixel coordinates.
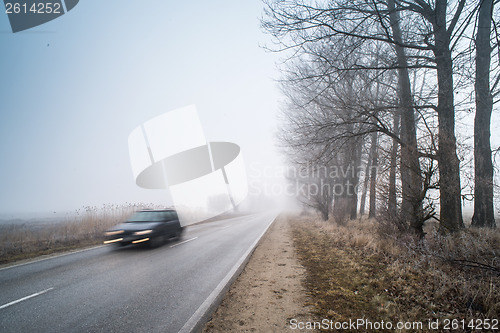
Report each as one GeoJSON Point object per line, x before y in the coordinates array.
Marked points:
{"type": "Point", "coordinates": [112, 233]}
{"type": "Point", "coordinates": [143, 232]}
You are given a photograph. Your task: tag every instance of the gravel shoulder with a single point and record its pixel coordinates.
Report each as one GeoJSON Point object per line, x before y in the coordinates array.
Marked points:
{"type": "Point", "coordinates": [269, 292]}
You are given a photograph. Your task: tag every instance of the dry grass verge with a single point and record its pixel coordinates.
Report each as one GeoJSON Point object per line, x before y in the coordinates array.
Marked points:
{"type": "Point", "coordinates": [361, 271]}
{"type": "Point", "coordinates": [86, 228]}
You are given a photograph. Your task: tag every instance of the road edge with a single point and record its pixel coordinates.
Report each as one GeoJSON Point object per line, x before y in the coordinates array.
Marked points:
{"type": "Point", "coordinates": [201, 316]}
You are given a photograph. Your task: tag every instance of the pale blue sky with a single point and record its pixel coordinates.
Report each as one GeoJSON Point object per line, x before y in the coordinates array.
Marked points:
{"type": "Point", "coordinates": [74, 88]}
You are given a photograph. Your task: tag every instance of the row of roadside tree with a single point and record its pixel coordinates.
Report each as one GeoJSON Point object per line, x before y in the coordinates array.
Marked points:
{"type": "Point", "coordinates": [379, 89]}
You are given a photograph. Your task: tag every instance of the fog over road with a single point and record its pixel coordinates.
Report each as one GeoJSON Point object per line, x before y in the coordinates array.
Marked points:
{"type": "Point", "coordinates": [105, 289]}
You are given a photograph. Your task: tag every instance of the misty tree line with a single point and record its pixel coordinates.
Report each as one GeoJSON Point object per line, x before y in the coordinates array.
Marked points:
{"type": "Point", "coordinates": [381, 86]}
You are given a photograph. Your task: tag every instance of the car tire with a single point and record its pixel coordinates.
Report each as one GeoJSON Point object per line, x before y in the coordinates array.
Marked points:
{"type": "Point", "coordinates": [155, 242]}
{"type": "Point", "coordinates": [178, 234]}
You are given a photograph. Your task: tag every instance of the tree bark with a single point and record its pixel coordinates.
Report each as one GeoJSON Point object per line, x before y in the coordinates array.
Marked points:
{"type": "Point", "coordinates": [411, 174]}
{"type": "Point", "coordinates": [365, 183]}
{"type": "Point", "coordinates": [353, 179]}
{"type": "Point", "coordinates": [392, 196]}
{"type": "Point", "coordinates": [483, 166]}
{"type": "Point", "coordinates": [373, 176]}
{"type": "Point", "coordinates": [449, 166]}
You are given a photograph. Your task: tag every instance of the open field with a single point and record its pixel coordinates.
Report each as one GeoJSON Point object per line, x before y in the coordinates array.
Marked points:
{"type": "Point", "coordinates": [20, 241]}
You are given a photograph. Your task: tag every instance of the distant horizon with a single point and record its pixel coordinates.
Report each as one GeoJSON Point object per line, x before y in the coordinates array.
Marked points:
{"type": "Point", "coordinates": [467, 210]}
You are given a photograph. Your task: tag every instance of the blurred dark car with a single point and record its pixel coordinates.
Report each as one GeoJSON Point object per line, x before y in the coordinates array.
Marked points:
{"type": "Point", "coordinates": [152, 227]}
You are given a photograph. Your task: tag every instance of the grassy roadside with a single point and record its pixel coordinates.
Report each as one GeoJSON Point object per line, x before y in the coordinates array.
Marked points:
{"type": "Point", "coordinates": [356, 271]}
{"type": "Point", "coordinates": [86, 228]}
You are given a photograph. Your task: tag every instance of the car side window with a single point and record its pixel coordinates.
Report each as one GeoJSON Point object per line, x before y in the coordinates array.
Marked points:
{"type": "Point", "coordinates": [168, 216]}
{"type": "Point", "coordinates": [165, 216]}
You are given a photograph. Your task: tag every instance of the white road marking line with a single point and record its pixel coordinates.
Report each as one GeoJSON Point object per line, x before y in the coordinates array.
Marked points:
{"type": "Point", "coordinates": [227, 226]}
{"type": "Point", "coordinates": [25, 298]}
{"type": "Point", "coordinates": [216, 295]}
{"type": "Point", "coordinates": [188, 240]}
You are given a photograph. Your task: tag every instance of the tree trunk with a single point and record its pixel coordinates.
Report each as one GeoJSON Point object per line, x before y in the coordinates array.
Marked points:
{"type": "Point", "coordinates": [483, 166]}
{"type": "Point", "coordinates": [353, 179]}
{"type": "Point", "coordinates": [411, 175]}
{"type": "Point", "coordinates": [449, 166]}
{"type": "Point", "coordinates": [392, 196]}
{"type": "Point", "coordinates": [373, 176]}
{"type": "Point", "coordinates": [365, 184]}
{"type": "Point", "coordinates": [324, 209]}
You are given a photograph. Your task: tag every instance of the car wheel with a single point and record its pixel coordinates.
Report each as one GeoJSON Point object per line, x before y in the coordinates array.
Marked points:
{"type": "Point", "coordinates": [156, 242]}
{"type": "Point", "coordinates": [178, 234]}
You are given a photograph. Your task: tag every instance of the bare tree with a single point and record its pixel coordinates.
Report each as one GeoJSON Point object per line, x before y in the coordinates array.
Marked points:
{"type": "Point", "coordinates": [411, 208]}
{"type": "Point", "coordinates": [314, 191]}
{"type": "Point", "coordinates": [322, 131]}
{"type": "Point", "coordinates": [425, 35]}
{"type": "Point", "coordinates": [483, 165]}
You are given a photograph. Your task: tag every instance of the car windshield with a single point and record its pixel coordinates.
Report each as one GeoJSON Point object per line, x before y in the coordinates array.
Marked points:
{"type": "Point", "coordinates": [153, 216]}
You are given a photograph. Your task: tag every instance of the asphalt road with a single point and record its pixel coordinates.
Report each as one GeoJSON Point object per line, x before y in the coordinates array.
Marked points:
{"type": "Point", "coordinates": [104, 289]}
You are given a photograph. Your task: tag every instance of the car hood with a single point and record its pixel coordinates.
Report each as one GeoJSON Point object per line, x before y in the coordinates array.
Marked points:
{"type": "Point", "coordinates": [130, 226]}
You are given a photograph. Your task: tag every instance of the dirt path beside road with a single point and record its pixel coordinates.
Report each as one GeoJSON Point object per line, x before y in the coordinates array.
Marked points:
{"type": "Point", "coordinates": [269, 291]}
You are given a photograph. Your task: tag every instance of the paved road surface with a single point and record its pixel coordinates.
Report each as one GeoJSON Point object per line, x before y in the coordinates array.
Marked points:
{"type": "Point", "coordinates": [130, 289]}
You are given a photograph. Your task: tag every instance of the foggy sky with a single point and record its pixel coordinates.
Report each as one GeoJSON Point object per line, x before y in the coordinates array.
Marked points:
{"type": "Point", "coordinates": [74, 88]}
